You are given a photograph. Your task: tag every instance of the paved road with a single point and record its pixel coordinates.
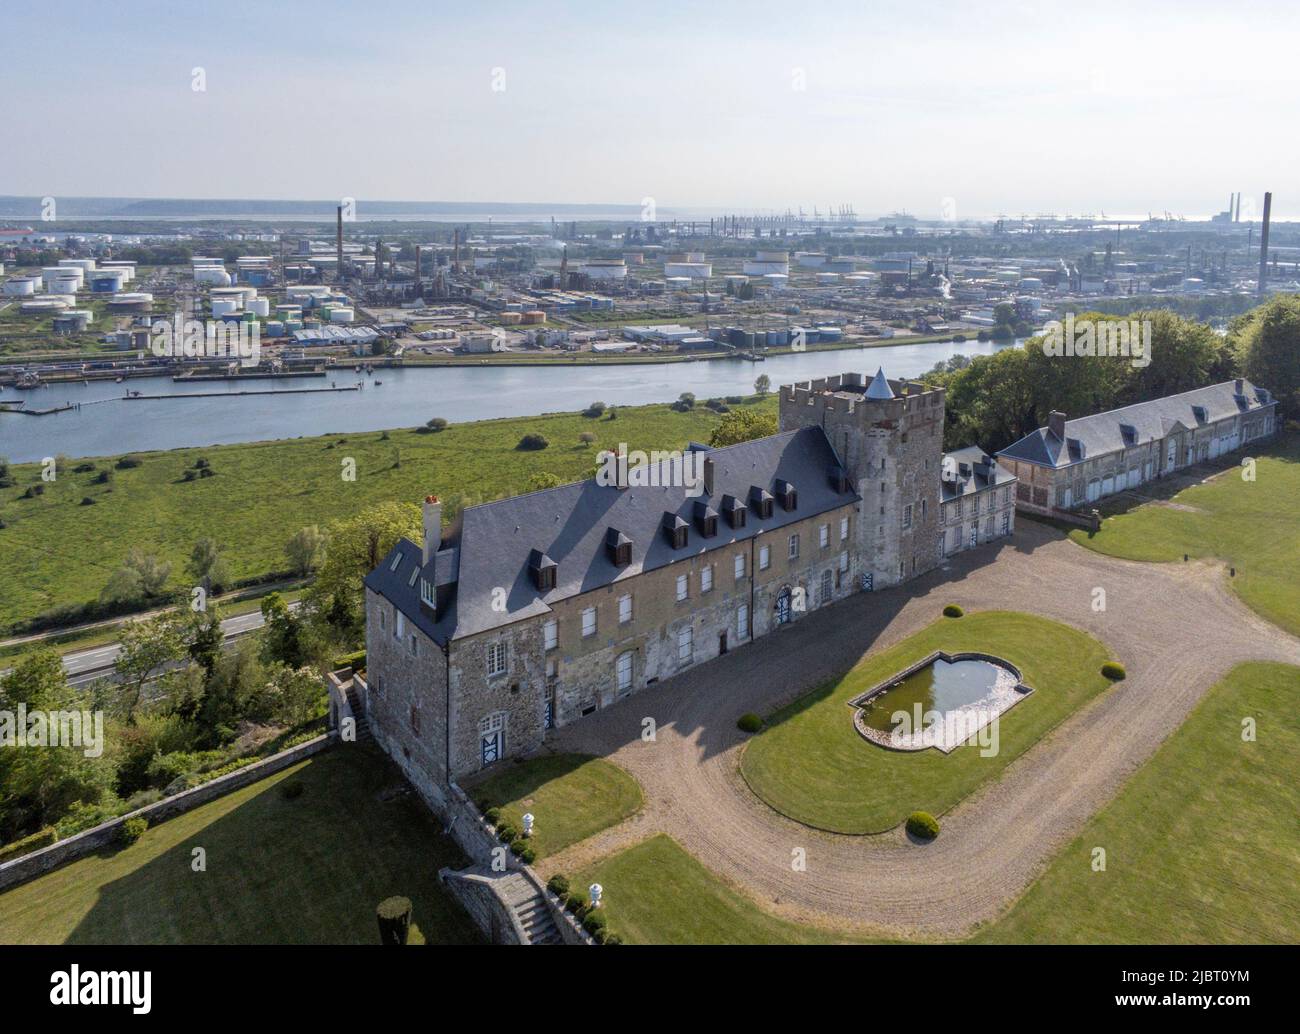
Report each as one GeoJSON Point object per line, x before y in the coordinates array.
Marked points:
{"type": "Point", "coordinates": [86, 666]}
{"type": "Point", "coordinates": [1178, 628]}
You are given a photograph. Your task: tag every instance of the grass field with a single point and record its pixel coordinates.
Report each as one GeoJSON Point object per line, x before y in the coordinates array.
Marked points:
{"type": "Point", "coordinates": [570, 796]}
{"type": "Point", "coordinates": [1249, 525]}
{"type": "Point", "coordinates": [656, 893]}
{"type": "Point", "coordinates": [1201, 844]}
{"type": "Point", "coordinates": [811, 765]}
{"type": "Point", "coordinates": [263, 492]}
{"type": "Point", "coordinates": [304, 871]}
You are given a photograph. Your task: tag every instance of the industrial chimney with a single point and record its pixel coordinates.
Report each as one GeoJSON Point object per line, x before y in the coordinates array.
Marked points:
{"type": "Point", "coordinates": [338, 244]}
{"type": "Point", "coordinates": [1263, 242]}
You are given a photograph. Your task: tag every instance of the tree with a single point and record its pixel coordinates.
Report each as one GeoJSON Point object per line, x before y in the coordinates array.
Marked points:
{"type": "Point", "coordinates": [207, 567]}
{"type": "Point", "coordinates": [1269, 350]}
{"type": "Point", "coordinates": [144, 648]}
{"type": "Point", "coordinates": [742, 426]}
{"type": "Point", "coordinates": [296, 695]}
{"type": "Point", "coordinates": [544, 479]}
{"type": "Point", "coordinates": [282, 638]}
{"type": "Point", "coordinates": [141, 578]}
{"type": "Point", "coordinates": [39, 785]}
{"type": "Point", "coordinates": [763, 384]}
{"type": "Point", "coordinates": [353, 548]}
{"type": "Point", "coordinates": [305, 549]}
{"type": "Point", "coordinates": [1184, 354]}
{"type": "Point", "coordinates": [203, 636]}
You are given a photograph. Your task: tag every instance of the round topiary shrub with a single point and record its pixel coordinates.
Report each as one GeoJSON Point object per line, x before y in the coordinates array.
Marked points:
{"type": "Point", "coordinates": [493, 815]}
{"type": "Point", "coordinates": [1114, 671]}
{"type": "Point", "coordinates": [594, 921]}
{"type": "Point", "coordinates": [576, 904]}
{"type": "Point", "coordinates": [394, 915]}
{"type": "Point", "coordinates": [613, 939]}
{"type": "Point", "coordinates": [533, 442]}
{"type": "Point", "coordinates": [132, 830]}
{"type": "Point", "coordinates": [291, 791]}
{"type": "Point", "coordinates": [953, 611]}
{"type": "Point", "coordinates": [923, 825]}
{"type": "Point", "coordinates": [507, 833]}
{"type": "Point", "coordinates": [749, 722]}
{"type": "Point", "coordinates": [558, 885]}
{"type": "Point", "coordinates": [526, 852]}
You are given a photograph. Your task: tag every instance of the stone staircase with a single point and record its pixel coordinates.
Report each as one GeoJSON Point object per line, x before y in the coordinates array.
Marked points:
{"type": "Point", "coordinates": [530, 908]}
{"type": "Point", "coordinates": [358, 713]}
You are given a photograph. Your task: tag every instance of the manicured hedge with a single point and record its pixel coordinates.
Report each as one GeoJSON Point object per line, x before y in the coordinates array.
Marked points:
{"type": "Point", "coordinates": [32, 842]}
{"type": "Point", "coordinates": [953, 611]}
{"type": "Point", "coordinates": [749, 723]}
{"type": "Point", "coordinates": [1114, 671]}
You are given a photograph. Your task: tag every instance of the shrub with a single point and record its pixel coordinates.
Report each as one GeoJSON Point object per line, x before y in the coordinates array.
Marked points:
{"type": "Point", "coordinates": [31, 842]}
{"type": "Point", "coordinates": [438, 423]}
{"type": "Point", "coordinates": [33, 491]}
{"type": "Point", "coordinates": [558, 885]}
{"type": "Point", "coordinates": [394, 915]}
{"type": "Point", "coordinates": [87, 501]}
{"type": "Point", "coordinates": [923, 825]}
{"type": "Point", "coordinates": [587, 437]}
{"type": "Point", "coordinates": [201, 462]}
{"type": "Point", "coordinates": [953, 611]}
{"type": "Point", "coordinates": [83, 468]}
{"type": "Point", "coordinates": [613, 939]}
{"type": "Point", "coordinates": [576, 904]}
{"type": "Point", "coordinates": [594, 410]}
{"type": "Point", "coordinates": [532, 442]}
{"type": "Point", "coordinates": [493, 815]}
{"type": "Point", "coordinates": [132, 830]}
{"type": "Point", "coordinates": [594, 920]}
{"type": "Point", "coordinates": [127, 462]}
{"type": "Point", "coordinates": [103, 477]}
{"type": "Point", "coordinates": [749, 722]}
{"type": "Point", "coordinates": [1114, 671]}
{"type": "Point", "coordinates": [291, 791]}
{"type": "Point", "coordinates": [526, 852]}
{"type": "Point", "coordinates": [507, 833]}
{"type": "Point", "coordinates": [207, 472]}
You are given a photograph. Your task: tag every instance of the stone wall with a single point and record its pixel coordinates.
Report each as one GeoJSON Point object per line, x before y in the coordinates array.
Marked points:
{"type": "Point", "coordinates": [29, 866]}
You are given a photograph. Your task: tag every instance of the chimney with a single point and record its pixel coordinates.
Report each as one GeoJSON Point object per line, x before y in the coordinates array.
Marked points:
{"type": "Point", "coordinates": [1263, 242]}
{"type": "Point", "coordinates": [708, 476]}
{"type": "Point", "coordinates": [1239, 386]}
{"type": "Point", "coordinates": [1056, 424]}
{"type": "Point", "coordinates": [338, 244]}
{"type": "Point", "coordinates": [432, 527]}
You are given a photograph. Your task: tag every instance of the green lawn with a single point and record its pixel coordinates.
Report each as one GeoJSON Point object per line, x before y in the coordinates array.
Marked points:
{"type": "Point", "coordinates": [571, 796]}
{"type": "Point", "coordinates": [302, 871]}
{"type": "Point", "coordinates": [1202, 845]}
{"type": "Point", "coordinates": [1250, 525]}
{"type": "Point", "coordinates": [263, 492]}
{"type": "Point", "coordinates": [656, 893]}
{"type": "Point", "coordinates": [811, 765]}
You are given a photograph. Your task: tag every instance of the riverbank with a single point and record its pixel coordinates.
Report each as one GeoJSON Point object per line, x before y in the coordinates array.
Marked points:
{"type": "Point", "coordinates": [259, 494]}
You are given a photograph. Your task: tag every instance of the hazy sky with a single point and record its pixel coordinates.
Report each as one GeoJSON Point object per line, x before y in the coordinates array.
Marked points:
{"type": "Point", "coordinates": [1004, 108]}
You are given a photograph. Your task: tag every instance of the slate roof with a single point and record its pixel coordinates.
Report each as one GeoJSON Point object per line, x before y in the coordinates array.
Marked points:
{"type": "Point", "coordinates": [982, 475]}
{"type": "Point", "coordinates": [1091, 436]}
{"type": "Point", "coordinates": [491, 547]}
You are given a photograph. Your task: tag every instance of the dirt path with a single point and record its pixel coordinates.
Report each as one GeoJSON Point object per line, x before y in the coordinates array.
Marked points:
{"type": "Point", "coordinates": [1178, 628]}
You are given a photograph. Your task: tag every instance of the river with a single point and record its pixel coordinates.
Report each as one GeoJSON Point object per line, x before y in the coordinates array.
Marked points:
{"type": "Point", "coordinates": [108, 424]}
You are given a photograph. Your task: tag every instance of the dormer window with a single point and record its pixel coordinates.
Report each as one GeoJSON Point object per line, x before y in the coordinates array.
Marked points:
{"type": "Point", "coordinates": [426, 592]}
{"type": "Point", "coordinates": [1076, 448]}
{"type": "Point", "coordinates": [542, 570]}
{"type": "Point", "coordinates": [618, 547]}
{"type": "Point", "coordinates": [1129, 433]}
{"type": "Point", "coordinates": [1200, 413]}
{"type": "Point", "coordinates": [734, 511]}
{"type": "Point", "coordinates": [840, 480]}
{"type": "Point", "coordinates": [706, 519]}
{"type": "Point", "coordinates": [788, 496]}
{"type": "Point", "coordinates": [761, 500]}
{"type": "Point", "coordinates": [676, 530]}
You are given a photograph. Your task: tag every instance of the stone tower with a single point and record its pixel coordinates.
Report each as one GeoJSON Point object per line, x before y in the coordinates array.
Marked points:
{"type": "Point", "coordinates": [889, 436]}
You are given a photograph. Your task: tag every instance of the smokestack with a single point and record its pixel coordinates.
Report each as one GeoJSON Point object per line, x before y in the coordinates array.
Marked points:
{"type": "Point", "coordinates": [1236, 209]}
{"type": "Point", "coordinates": [1263, 242]}
{"type": "Point", "coordinates": [456, 251]}
{"type": "Point", "coordinates": [417, 265]}
{"type": "Point", "coordinates": [338, 244]}
{"type": "Point", "coordinates": [432, 526]}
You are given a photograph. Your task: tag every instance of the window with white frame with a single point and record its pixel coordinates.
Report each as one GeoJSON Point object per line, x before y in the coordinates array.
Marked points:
{"type": "Point", "coordinates": [683, 587]}
{"type": "Point", "coordinates": [844, 528]}
{"type": "Point", "coordinates": [623, 667]}
{"type": "Point", "coordinates": [706, 578]}
{"type": "Point", "coordinates": [824, 536]}
{"type": "Point", "coordinates": [738, 566]}
{"type": "Point", "coordinates": [824, 597]}
{"type": "Point", "coordinates": [685, 644]}
{"type": "Point", "coordinates": [426, 592]}
{"type": "Point", "coordinates": [794, 546]}
{"type": "Point", "coordinates": [589, 622]}
{"type": "Point", "coordinates": [764, 557]}
{"type": "Point", "coordinates": [551, 634]}
{"type": "Point", "coordinates": [399, 626]}
{"type": "Point", "coordinates": [844, 561]}
{"type": "Point", "coordinates": [1006, 522]}
{"type": "Point", "coordinates": [625, 609]}
{"type": "Point", "coordinates": [496, 659]}
{"type": "Point", "coordinates": [742, 621]}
